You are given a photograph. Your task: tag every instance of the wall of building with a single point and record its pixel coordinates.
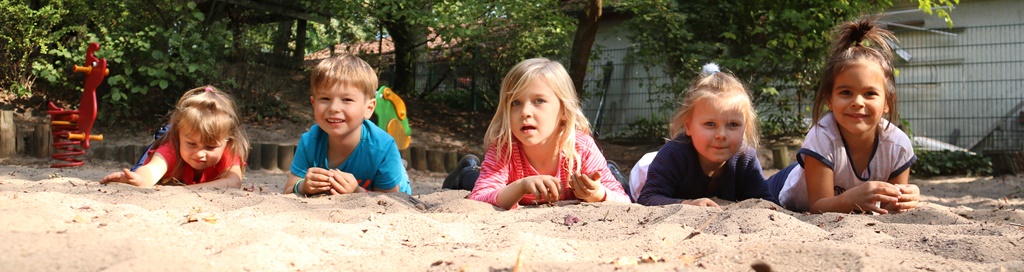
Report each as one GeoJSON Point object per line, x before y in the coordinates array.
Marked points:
{"type": "Point", "coordinates": [966, 89]}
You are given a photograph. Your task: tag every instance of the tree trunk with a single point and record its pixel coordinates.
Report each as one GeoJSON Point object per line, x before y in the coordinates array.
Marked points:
{"type": "Point", "coordinates": [586, 29]}
{"type": "Point", "coordinates": [281, 39]}
{"type": "Point", "coordinates": [299, 53]}
{"type": "Point", "coordinates": [410, 42]}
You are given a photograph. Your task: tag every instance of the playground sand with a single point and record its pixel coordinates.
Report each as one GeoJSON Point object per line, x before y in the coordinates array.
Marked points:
{"type": "Point", "coordinates": [56, 219]}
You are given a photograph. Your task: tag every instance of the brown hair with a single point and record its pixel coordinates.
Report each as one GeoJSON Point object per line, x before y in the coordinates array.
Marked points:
{"type": "Point", "coordinates": [499, 132]}
{"type": "Point", "coordinates": [718, 87]}
{"type": "Point", "coordinates": [860, 39]}
{"type": "Point", "coordinates": [211, 113]}
{"type": "Point", "coordinates": [342, 70]}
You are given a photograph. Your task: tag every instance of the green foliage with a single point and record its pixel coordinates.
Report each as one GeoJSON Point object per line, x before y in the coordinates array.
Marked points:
{"type": "Point", "coordinates": [777, 126]}
{"type": "Point", "coordinates": [934, 163]}
{"type": "Point", "coordinates": [461, 99]}
{"type": "Point", "coordinates": [155, 51]}
{"type": "Point", "coordinates": [941, 8]}
{"type": "Point", "coordinates": [768, 45]}
{"type": "Point", "coordinates": [488, 37]}
{"type": "Point", "coordinates": [647, 130]}
{"type": "Point", "coordinates": [775, 47]}
{"type": "Point", "coordinates": [26, 33]}
{"type": "Point", "coordinates": [511, 33]}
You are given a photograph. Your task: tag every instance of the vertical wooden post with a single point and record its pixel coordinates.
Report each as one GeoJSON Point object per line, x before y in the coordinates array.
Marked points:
{"type": "Point", "coordinates": [406, 157]}
{"type": "Point", "coordinates": [128, 155]}
{"type": "Point", "coordinates": [254, 162]}
{"type": "Point", "coordinates": [285, 154]}
{"type": "Point", "coordinates": [451, 159]}
{"type": "Point", "coordinates": [8, 132]}
{"type": "Point", "coordinates": [43, 142]}
{"type": "Point", "coordinates": [269, 156]}
{"type": "Point", "coordinates": [419, 158]}
{"type": "Point", "coordinates": [780, 156]}
{"type": "Point", "coordinates": [435, 161]}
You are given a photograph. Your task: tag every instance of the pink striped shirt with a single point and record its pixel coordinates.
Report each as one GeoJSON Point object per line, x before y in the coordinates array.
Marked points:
{"type": "Point", "coordinates": [495, 175]}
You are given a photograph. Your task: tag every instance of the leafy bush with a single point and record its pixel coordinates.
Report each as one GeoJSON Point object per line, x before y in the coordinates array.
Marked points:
{"type": "Point", "coordinates": [155, 51]}
{"type": "Point", "coordinates": [24, 34]}
{"type": "Point", "coordinates": [934, 163]}
{"type": "Point", "coordinates": [646, 129]}
{"type": "Point", "coordinates": [777, 126]}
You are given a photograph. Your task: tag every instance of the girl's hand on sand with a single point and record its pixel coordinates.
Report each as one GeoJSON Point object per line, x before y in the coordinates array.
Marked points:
{"type": "Point", "coordinates": [344, 183]}
{"type": "Point", "coordinates": [587, 188]}
{"type": "Point", "coordinates": [702, 202]}
{"type": "Point", "coordinates": [866, 196]}
{"type": "Point", "coordinates": [541, 187]}
{"type": "Point", "coordinates": [909, 198]}
{"type": "Point", "coordinates": [125, 176]}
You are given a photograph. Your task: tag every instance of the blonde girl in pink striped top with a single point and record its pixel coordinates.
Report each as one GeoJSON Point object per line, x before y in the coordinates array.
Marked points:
{"type": "Point", "coordinates": [539, 144]}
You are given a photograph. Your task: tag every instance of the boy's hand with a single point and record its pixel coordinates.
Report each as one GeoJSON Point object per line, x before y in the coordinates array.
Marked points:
{"type": "Point", "coordinates": [702, 202]}
{"type": "Point", "coordinates": [318, 180]}
{"type": "Point", "coordinates": [344, 183]}
{"type": "Point", "coordinates": [543, 187]}
{"type": "Point", "coordinates": [587, 188]}
{"type": "Point", "coordinates": [125, 176]}
{"type": "Point", "coordinates": [866, 197]}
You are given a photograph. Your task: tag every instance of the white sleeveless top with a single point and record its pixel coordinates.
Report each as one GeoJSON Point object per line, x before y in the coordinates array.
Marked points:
{"type": "Point", "coordinates": [893, 153]}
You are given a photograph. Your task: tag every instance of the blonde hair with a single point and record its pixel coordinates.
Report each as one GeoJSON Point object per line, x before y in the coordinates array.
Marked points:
{"type": "Point", "coordinates": [717, 87]}
{"type": "Point", "coordinates": [344, 70]}
{"type": "Point", "coordinates": [860, 39]}
{"type": "Point", "coordinates": [499, 132]}
{"type": "Point", "coordinates": [213, 115]}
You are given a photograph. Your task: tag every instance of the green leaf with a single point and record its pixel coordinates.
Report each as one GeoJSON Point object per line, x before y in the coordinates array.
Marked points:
{"type": "Point", "coordinates": [163, 84]}
{"type": "Point", "coordinates": [115, 93]}
{"type": "Point", "coordinates": [770, 91]}
{"type": "Point", "coordinates": [729, 35]}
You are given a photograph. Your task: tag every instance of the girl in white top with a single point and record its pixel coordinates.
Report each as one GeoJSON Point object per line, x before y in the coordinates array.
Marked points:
{"type": "Point", "coordinates": [852, 158]}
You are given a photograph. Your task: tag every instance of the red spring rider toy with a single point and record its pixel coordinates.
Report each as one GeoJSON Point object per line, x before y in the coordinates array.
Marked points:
{"type": "Point", "coordinates": [72, 128]}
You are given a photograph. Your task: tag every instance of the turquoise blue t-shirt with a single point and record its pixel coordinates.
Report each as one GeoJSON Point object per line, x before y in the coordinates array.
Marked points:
{"type": "Point", "coordinates": [375, 162]}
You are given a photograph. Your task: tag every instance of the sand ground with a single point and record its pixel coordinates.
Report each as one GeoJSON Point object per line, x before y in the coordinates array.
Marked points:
{"type": "Point", "coordinates": [64, 220]}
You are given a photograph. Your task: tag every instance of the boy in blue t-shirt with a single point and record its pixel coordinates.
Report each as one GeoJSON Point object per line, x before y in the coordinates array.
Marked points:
{"type": "Point", "coordinates": [344, 152]}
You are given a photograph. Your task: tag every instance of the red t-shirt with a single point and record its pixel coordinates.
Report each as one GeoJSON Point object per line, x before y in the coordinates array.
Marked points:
{"type": "Point", "coordinates": [170, 154]}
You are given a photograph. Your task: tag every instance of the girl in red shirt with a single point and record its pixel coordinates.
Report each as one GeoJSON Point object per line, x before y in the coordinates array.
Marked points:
{"type": "Point", "coordinates": [204, 147]}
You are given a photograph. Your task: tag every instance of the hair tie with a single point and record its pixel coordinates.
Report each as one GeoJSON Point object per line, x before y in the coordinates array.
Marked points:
{"type": "Point", "coordinates": [710, 69]}
{"type": "Point", "coordinates": [209, 88]}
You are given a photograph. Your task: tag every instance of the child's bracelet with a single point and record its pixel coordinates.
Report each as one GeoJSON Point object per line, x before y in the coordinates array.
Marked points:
{"type": "Point", "coordinates": [295, 189]}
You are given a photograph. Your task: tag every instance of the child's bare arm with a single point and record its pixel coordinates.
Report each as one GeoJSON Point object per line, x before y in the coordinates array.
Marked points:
{"type": "Point", "coordinates": [145, 176]}
{"type": "Point", "coordinates": [392, 190]}
{"type": "Point", "coordinates": [289, 184]}
{"type": "Point", "coordinates": [318, 180]}
{"type": "Point", "coordinates": [542, 186]}
{"type": "Point", "coordinates": [822, 198]}
{"type": "Point", "coordinates": [231, 179]}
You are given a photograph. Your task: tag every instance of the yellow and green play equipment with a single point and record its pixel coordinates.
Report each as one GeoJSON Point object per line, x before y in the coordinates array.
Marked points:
{"type": "Point", "coordinates": [391, 117]}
